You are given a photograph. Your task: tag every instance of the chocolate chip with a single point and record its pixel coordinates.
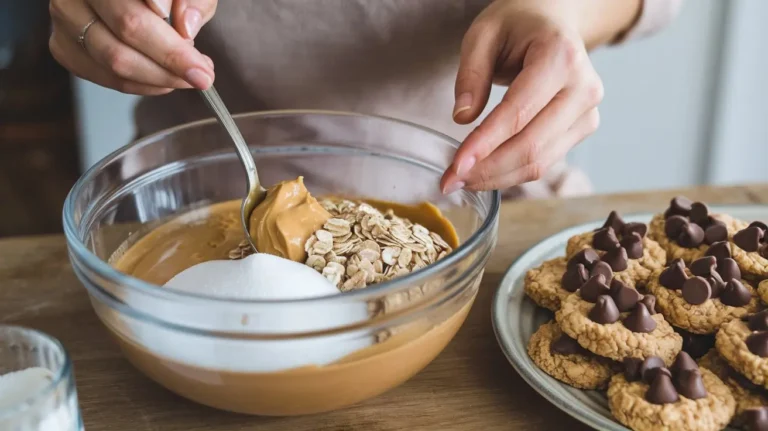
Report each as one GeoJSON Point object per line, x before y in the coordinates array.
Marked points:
{"type": "Point", "coordinates": [662, 391]}
{"type": "Point", "coordinates": [593, 288]}
{"type": "Point", "coordinates": [757, 321]}
{"type": "Point", "coordinates": [699, 214]}
{"type": "Point", "coordinates": [640, 320]}
{"type": "Point", "coordinates": [759, 224]}
{"type": "Point", "coordinates": [715, 233]}
{"type": "Point", "coordinates": [703, 266]}
{"type": "Point", "coordinates": [574, 277]}
{"type": "Point", "coordinates": [758, 343]}
{"type": "Point", "coordinates": [728, 269]}
{"type": "Point", "coordinates": [617, 258]}
{"type": "Point", "coordinates": [625, 297]}
{"type": "Point", "coordinates": [755, 419]}
{"type": "Point", "coordinates": [650, 363]}
{"type": "Point", "coordinates": [634, 245]}
{"type": "Point", "coordinates": [635, 227]}
{"type": "Point", "coordinates": [632, 368]}
{"type": "Point", "coordinates": [696, 345]}
{"type": "Point", "coordinates": [674, 225]}
{"type": "Point", "coordinates": [679, 205]}
{"type": "Point", "coordinates": [683, 361]}
{"type": "Point", "coordinates": [604, 311]}
{"type": "Point", "coordinates": [566, 345]}
{"type": "Point", "coordinates": [586, 257]}
{"type": "Point", "coordinates": [614, 220]}
{"type": "Point", "coordinates": [605, 239]}
{"type": "Point", "coordinates": [720, 250]}
{"type": "Point", "coordinates": [691, 236]}
{"type": "Point", "coordinates": [716, 285]}
{"type": "Point", "coordinates": [650, 303]}
{"type": "Point", "coordinates": [674, 276]}
{"type": "Point", "coordinates": [749, 239]}
{"type": "Point", "coordinates": [735, 294]}
{"type": "Point", "coordinates": [690, 385]}
{"type": "Point", "coordinates": [696, 290]}
{"type": "Point", "coordinates": [604, 269]}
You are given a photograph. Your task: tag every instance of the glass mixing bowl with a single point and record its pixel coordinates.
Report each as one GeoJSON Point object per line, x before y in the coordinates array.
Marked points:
{"type": "Point", "coordinates": [212, 349]}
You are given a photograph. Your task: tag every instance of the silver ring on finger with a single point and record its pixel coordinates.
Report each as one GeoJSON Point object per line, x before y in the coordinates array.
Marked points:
{"type": "Point", "coordinates": [83, 32]}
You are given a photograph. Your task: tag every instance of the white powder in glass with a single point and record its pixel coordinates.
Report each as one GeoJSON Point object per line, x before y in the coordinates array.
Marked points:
{"type": "Point", "coordinates": [45, 415]}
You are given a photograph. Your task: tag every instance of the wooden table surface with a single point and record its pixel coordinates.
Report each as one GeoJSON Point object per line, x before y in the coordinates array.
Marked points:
{"type": "Point", "coordinates": [469, 386]}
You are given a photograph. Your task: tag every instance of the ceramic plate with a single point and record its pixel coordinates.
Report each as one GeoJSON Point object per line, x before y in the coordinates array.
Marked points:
{"type": "Point", "coordinates": [516, 318]}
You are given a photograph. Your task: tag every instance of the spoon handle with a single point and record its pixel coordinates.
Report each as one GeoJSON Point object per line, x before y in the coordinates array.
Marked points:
{"type": "Point", "coordinates": [212, 99]}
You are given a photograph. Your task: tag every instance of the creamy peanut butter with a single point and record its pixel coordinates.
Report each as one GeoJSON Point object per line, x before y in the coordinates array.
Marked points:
{"type": "Point", "coordinates": [287, 217]}
{"type": "Point", "coordinates": [210, 233]}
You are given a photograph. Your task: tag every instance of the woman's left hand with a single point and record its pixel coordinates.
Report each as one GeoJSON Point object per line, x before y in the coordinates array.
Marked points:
{"type": "Point", "coordinates": [536, 47]}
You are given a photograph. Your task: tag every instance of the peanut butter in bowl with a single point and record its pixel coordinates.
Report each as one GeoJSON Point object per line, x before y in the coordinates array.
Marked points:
{"type": "Point", "coordinates": [308, 248]}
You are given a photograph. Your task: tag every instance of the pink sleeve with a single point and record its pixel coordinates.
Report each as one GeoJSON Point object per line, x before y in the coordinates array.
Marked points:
{"type": "Point", "coordinates": [656, 14]}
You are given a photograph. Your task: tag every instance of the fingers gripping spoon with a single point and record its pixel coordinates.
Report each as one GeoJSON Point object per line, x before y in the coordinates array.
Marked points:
{"type": "Point", "coordinates": [256, 193]}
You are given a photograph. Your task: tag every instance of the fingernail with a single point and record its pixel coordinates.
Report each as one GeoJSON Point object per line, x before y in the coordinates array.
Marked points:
{"type": "Point", "coordinates": [465, 165]}
{"type": "Point", "coordinates": [160, 8]}
{"type": "Point", "coordinates": [208, 60]}
{"type": "Point", "coordinates": [463, 103]}
{"type": "Point", "coordinates": [453, 187]}
{"type": "Point", "coordinates": [192, 20]}
{"type": "Point", "coordinates": [198, 78]}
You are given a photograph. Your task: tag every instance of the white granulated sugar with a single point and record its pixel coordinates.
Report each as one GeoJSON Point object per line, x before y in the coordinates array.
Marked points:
{"type": "Point", "coordinates": [20, 386]}
{"type": "Point", "coordinates": [263, 277]}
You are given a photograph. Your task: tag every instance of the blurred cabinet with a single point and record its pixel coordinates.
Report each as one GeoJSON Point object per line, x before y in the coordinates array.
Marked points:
{"type": "Point", "coordinates": [38, 146]}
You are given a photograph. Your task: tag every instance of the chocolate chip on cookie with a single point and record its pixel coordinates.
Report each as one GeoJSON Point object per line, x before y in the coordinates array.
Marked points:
{"type": "Point", "coordinates": [604, 311]}
{"type": "Point", "coordinates": [757, 321]}
{"type": "Point", "coordinates": [626, 298]}
{"type": "Point", "coordinates": [574, 277]}
{"type": "Point", "coordinates": [617, 258]}
{"type": "Point", "coordinates": [674, 276]}
{"type": "Point", "coordinates": [614, 221]}
{"type": "Point", "coordinates": [683, 362]}
{"type": "Point", "coordinates": [680, 205]}
{"type": "Point", "coordinates": [648, 366]}
{"type": "Point", "coordinates": [594, 288]}
{"type": "Point", "coordinates": [755, 419]}
{"type": "Point", "coordinates": [650, 303]}
{"type": "Point", "coordinates": [639, 319]}
{"type": "Point", "coordinates": [716, 232]}
{"type": "Point", "coordinates": [696, 290]}
{"type": "Point", "coordinates": [699, 214]}
{"type": "Point", "coordinates": [704, 266]}
{"type": "Point", "coordinates": [635, 228]}
{"type": "Point", "coordinates": [720, 250]}
{"type": "Point", "coordinates": [605, 239]}
{"type": "Point", "coordinates": [662, 391]}
{"type": "Point", "coordinates": [691, 236]}
{"type": "Point", "coordinates": [690, 384]}
{"type": "Point", "coordinates": [749, 239]}
{"type": "Point", "coordinates": [565, 345]}
{"type": "Point", "coordinates": [632, 368]}
{"type": "Point", "coordinates": [674, 225]}
{"type": "Point", "coordinates": [633, 244]}
{"type": "Point", "coordinates": [586, 257]}
{"type": "Point", "coordinates": [735, 294]}
{"type": "Point", "coordinates": [757, 343]}
{"type": "Point", "coordinates": [728, 270]}
{"type": "Point", "coordinates": [604, 269]}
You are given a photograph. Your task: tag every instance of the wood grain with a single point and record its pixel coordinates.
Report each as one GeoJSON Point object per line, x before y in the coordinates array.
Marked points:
{"type": "Point", "coordinates": [469, 386]}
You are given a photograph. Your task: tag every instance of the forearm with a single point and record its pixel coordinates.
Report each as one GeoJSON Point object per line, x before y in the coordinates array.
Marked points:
{"type": "Point", "coordinates": [602, 22]}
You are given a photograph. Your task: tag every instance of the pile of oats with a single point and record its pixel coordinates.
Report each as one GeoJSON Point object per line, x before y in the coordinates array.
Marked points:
{"type": "Point", "coordinates": [360, 245]}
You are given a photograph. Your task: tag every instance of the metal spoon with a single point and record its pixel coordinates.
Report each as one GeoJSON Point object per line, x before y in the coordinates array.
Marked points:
{"type": "Point", "coordinates": [256, 193]}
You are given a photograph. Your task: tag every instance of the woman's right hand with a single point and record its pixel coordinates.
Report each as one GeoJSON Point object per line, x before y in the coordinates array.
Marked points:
{"type": "Point", "coordinates": [129, 47]}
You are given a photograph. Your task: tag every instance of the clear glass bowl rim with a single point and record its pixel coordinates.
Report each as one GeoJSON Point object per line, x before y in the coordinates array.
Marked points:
{"type": "Point", "coordinates": [64, 370]}
{"type": "Point", "coordinates": [103, 269]}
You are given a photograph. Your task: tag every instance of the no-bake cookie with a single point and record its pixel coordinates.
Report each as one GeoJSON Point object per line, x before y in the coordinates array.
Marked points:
{"type": "Point", "coordinates": [746, 394]}
{"type": "Point", "coordinates": [686, 229]}
{"type": "Point", "coordinates": [649, 396]}
{"type": "Point", "coordinates": [743, 343]}
{"type": "Point", "coordinates": [749, 247]}
{"type": "Point", "coordinates": [702, 297]}
{"type": "Point", "coordinates": [617, 239]}
{"type": "Point", "coordinates": [564, 359]}
{"type": "Point", "coordinates": [617, 322]}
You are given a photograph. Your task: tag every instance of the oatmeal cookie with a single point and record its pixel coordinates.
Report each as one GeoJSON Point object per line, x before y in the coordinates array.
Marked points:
{"type": "Point", "coordinates": [649, 396]}
{"type": "Point", "coordinates": [743, 343]}
{"type": "Point", "coordinates": [686, 229]}
{"type": "Point", "coordinates": [701, 298]}
{"type": "Point", "coordinates": [543, 284]}
{"type": "Point", "coordinates": [644, 254]}
{"type": "Point", "coordinates": [747, 394]}
{"type": "Point", "coordinates": [762, 291]}
{"type": "Point", "coordinates": [625, 327]}
{"type": "Point", "coordinates": [749, 247]}
{"type": "Point", "coordinates": [564, 359]}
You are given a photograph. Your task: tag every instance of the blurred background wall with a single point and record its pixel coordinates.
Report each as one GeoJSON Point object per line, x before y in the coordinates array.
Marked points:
{"type": "Point", "coordinates": [684, 107]}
